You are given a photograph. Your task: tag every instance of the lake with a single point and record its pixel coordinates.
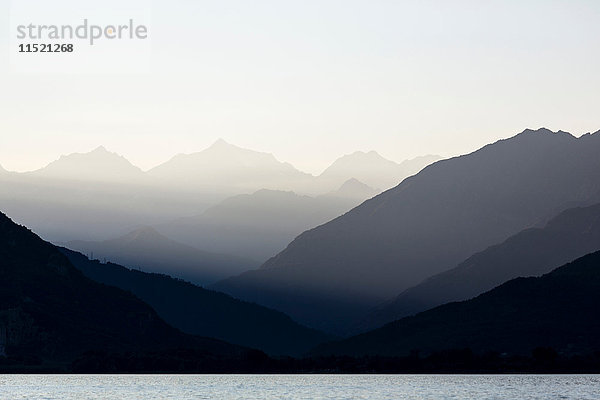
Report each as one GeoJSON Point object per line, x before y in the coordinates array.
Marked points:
{"type": "Point", "coordinates": [373, 387]}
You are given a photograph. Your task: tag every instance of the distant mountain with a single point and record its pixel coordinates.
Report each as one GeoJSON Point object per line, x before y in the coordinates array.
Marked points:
{"type": "Point", "coordinates": [354, 189]}
{"type": "Point", "coordinates": [103, 190]}
{"type": "Point", "coordinates": [97, 165]}
{"type": "Point", "coordinates": [532, 252]}
{"type": "Point", "coordinates": [558, 310]}
{"type": "Point", "coordinates": [51, 313]}
{"type": "Point", "coordinates": [427, 224]}
{"type": "Point", "coordinates": [372, 169]}
{"type": "Point", "coordinates": [226, 165]}
{"type": "Point", "coordinates": [202, 312]}
{"type": "Point", "coordinates": [148, 250]}
{"type": "Point", "coordinates": [260, 224]}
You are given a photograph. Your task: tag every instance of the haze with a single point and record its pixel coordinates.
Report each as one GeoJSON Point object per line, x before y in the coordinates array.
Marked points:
{"type": "Point", "coordinates": [308, 81]}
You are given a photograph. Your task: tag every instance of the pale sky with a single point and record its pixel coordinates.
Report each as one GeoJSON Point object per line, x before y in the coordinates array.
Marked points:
{"type": "Point", "coordinates": [308, 80]}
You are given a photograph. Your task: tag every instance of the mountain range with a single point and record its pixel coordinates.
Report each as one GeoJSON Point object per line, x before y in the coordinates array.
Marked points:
{"type": "Point", "coordinates": [148, 250]}
{"type": "Point", "coordinates": [202, 312]}
{"type": "Point", "coordinates": [51, 314]}
{"type": "Point", "coordinates": [532, 252]}
{"type": "Point", "coordinates": [372, 169]}
{"type": "Point", "coordinates": [469, 255]}
{"type": "Point", "coordinates": [261, 224]}
{"type": "Point", "coordinates": [427, 224]}
{"type": "Point", "coordinates": [100, 195]}
{"type": "Point", "coordinates": [557, 311]}
{"type": "Point", "coordinates": [223, 164]}
{"type": "Point", "coordinates": [99, 165]}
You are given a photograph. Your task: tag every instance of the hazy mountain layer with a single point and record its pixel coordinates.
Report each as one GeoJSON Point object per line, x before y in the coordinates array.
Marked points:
{"type": "Point", "coordinates": [372, 169]}
{"type": "Point", "coordinates": [427, 224]}
{"type": "Point", "coordinates": [63, 210]}
{"type": "Point", "coordinates": [97, 165]}
{"type": "Point", "coordinates": [223, 164]}
{"type": "Point", "coordinates": [353, 189]}
{"type": "Point", "coordinates": [558, 310]}
{"type": "Point", "coordinates": [148, 250]}
{"type": "Point", "coordinates": [98, 195]}
{"type": "Point", "coordinates": [532, 252]}
{"type": "Point", "coordinates": [52, 313]}
{"type": "Point", "coordinates": [261, 224]}
{"type": "Point", "coordinates": [203, 312]}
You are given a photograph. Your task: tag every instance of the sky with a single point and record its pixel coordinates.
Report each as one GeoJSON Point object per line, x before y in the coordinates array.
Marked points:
{"type": "Point", "coordinates": [305, 80]}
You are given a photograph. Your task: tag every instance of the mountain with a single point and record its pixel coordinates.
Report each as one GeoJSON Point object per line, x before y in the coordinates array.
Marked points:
{"type": "Point", "coordinates": [97, 165]}
{"type": "Point", "coordinates": [257, 225]}
{"type": "Point", "coordinates": [101, 189]}
{"type": "Point", "coordinates": [198, 311]}
{"type": "Point", "coordinates": [225, 165]}
{"type": "Point", "coordinates": [532, 252]}
{"type": "Point", "coordinates": [354, 189]}
{"type": "Point", "coordinates": [425, 225]}
{"type": "Point", "coordinates": [51, 313]}
{"type": "Point", "coordinates": [98, 189]}
{"type": "Point", "coordinates": [150, 251]}
{"type": "Point", "coordinates": [372, 169]}
{"type": "Point", "coordinates": [558, 310]}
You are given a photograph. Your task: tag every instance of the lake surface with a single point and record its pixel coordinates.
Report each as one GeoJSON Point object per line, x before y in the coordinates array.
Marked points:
{"type": "Point", "coordinates": [373, 387]}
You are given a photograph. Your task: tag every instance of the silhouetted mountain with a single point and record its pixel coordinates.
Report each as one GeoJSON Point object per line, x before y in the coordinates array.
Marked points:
{"type": "Point", "coordinates": [372, 169]}
{"type": "Point", "coordinates": [257, 225]}
{"type": "Point", "coordinates": [203, 312]}
{"type": "Point", "coordinates": [148, 250]}
{"type": "Point", "coordinates": [427, 224]}
{"type": "Point", "coordinates": [226, 165]}
{"type": "Point", "coordinates": [532, 252]}
{"type": "Point", "coordinates": [97, 165]}
{"type": "Point", "coordinates": [52, 313]}
{"type": "Point", "coordinates": [558, 310]}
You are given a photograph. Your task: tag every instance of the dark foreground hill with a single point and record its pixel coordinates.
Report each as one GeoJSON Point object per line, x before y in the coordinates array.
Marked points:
{"type": "Point", "coordinates": [532, 252]}
{"type": "Point", "coordinates": [428, 224]}
{"type": "Point", "coordinates": [557, 311]}
{"type": "Point", "coordinates": [202, 312]}
{"type": "Point", "coordinates": [51, 314]}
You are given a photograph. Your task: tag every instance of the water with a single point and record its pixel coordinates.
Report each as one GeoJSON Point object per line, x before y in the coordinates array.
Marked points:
{"type": "Point", "coordinates": [373, 387]}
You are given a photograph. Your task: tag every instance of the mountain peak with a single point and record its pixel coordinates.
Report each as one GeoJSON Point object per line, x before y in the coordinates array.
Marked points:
{"type": "Point", "coordinates": [226, 165]}
{"type": "Point", "coordinates": [362, 155]}
{"type": "Point", "coordinates": [97, 165]}
{"type": "Point", "coordinates": [221, 144]}
{"type": "Point", "coordinates": [353, 184]}
{"type": "Point", "coordinates": [372, 169]}
{"type": "Point", "coordinates": [100, 149]}
{"type": "Point", "coordinates": [353, 188]}
{"type": "Point", "coordinates": [545, 131]}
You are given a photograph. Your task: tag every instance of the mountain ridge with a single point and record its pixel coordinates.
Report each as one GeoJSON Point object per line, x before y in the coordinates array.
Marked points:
{"type": "Point", "coordinates": [372, 169]}
{"type": "Point", "coordinates": [428, 223]}
{"type": "Point", "coordinates": [259, 224]}
{"type": "Point", "coordinates": [98, 164]}
{"type": "Point", "coordinates": [198, 311]}
{"type": "Point", "coordinates": [147, 249]}
{"type": "Point", "coordinates": [52, 313]}
{"type": "Point", "coordinates": [557, 310]}
{"type": "Point", "coordinates": [532, 252]}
